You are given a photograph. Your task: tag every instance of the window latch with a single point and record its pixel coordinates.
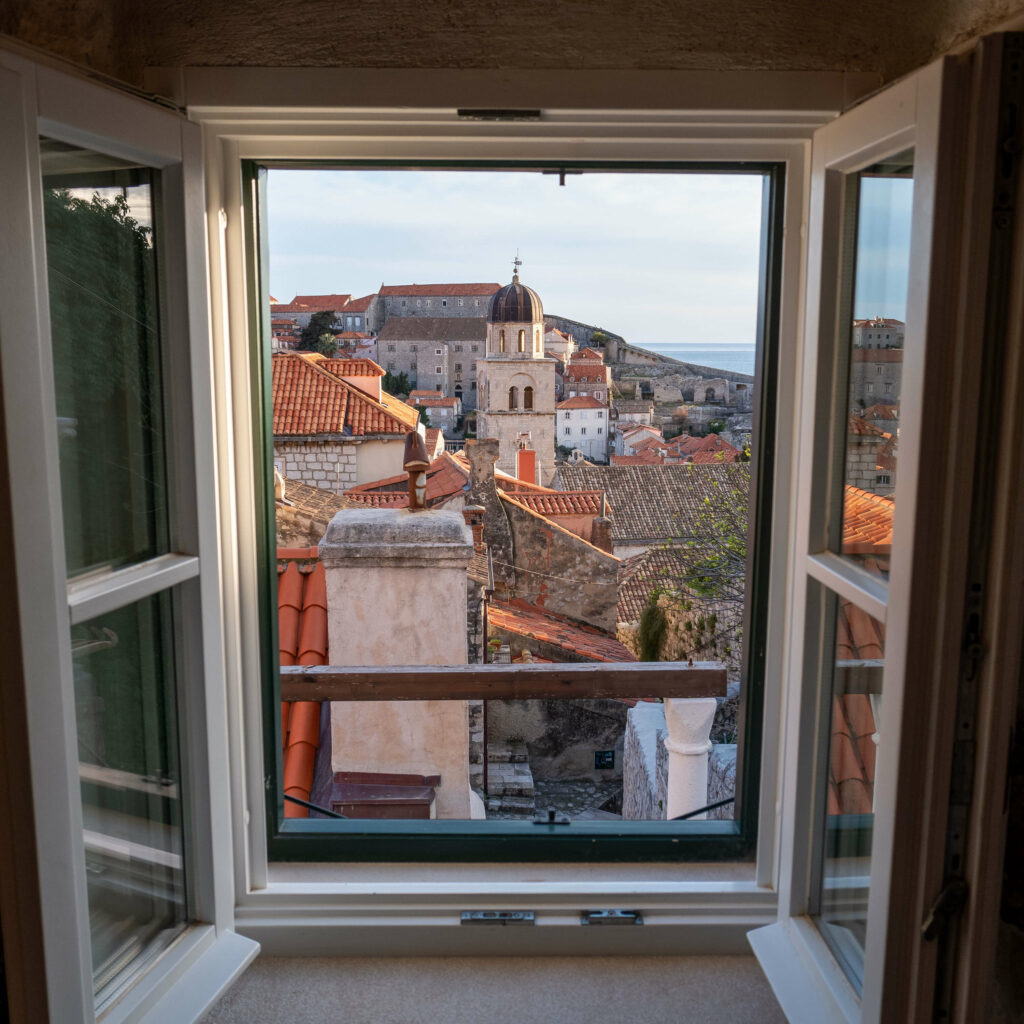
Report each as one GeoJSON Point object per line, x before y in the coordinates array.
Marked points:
{"type": "Point", "coordinates": [949, 902]}
{"type": "Point", "coordinates": [611, 917]}
{"type": "Point", "coordinates": [550, 817]}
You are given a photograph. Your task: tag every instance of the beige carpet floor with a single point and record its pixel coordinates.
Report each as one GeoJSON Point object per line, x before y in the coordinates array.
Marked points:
{"type": "Point", "coordinates": [522, 990]}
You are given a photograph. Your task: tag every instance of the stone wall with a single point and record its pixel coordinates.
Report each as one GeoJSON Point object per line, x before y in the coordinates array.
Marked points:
{"type": "Point", "coordinates": [722, 780]}
{"type": "Point", "coordinates": [562, 572]}
{"type": "Point", "coordinates": [561, 735]}
{"type": "Point", "coordinates": [645, 763]}
{"type": "Point", "coordinates": [329, 465]}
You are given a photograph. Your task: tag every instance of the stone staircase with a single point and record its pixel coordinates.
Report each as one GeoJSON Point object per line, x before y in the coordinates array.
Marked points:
{"type": "Point", "coordinates": [509, 782]}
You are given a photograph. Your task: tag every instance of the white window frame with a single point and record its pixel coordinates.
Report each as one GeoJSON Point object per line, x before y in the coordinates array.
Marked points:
{"type": "Point", "coordinates": [281, 904]}
{"type": "Point", "coordinates": [35, 100]}
{"type": "Point", "coordinates": [402, 908]}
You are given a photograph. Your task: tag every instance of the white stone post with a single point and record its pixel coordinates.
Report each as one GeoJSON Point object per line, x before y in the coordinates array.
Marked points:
{"type": "Point", "coordinates": [396, 595]}
{"type": "Point", "coordinates": [688, 745]}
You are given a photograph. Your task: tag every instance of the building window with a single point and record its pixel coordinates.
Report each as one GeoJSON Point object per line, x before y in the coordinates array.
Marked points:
{"type": "Point", "coordinates": [437, 351]}
{"type": "Point", "coordinates": [412, 348]}
{"type": "Point", "coordinates": [444, 302]}
{"type": "Point", "coordinates": [600, 414]}
{"type": "Point", "coordinates": [567, 431]}
{"type": "Point", "coordinates": [513, 398]}
{"type": "Point", "coordinates": [600, 430]}
{"type": "Point", "coordinates": [878, 371]}
{"type": "Point", "coordinates": [403, 302]}
{"type": "Point", "coordinates": [528, 397]}
{"type": "Point", "coordinates": [888, 387]}
{"type": "Point", "coordinates": [458, 367]}
{"type": "Point", "coordinates": [501, 340]}
{"type": "Point", "coordinates": [521, 344]}
{"type": "Point", "coordinates": [391, 348]}
{"type": "Point", "coordinates": [583, 431]}
{"type": "Point", "coordinates": [437, 369]}
{"type": "Point", "coordinates": [458, 348]}
{"type": "Point", "coordinates": [476, 348]}
{"type": "Point", "coordinates": [536, 341]}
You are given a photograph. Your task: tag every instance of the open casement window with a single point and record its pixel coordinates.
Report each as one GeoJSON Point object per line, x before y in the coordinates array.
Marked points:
{"type": "Point", "coordinates": [107, 418]}
{"type": "Point", "coordinates": [902, 197]}
{"type": "Point", "coordinates": [652, 836]}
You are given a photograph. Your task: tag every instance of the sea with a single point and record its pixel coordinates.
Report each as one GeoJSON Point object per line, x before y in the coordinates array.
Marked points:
{"type": "Point", "coordinates": [737, 358]}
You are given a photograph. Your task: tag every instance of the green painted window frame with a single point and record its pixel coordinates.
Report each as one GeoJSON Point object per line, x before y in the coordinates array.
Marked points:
{"type": "Point", "coordinates": [329, 840]}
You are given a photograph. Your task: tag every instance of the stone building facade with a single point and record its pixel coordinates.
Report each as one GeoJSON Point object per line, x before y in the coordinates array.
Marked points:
{"type": "Point", "coordinates": [516, 381]}
{"type": "Point", "coordinates": [436, 353]}
{"type": "Point", "coordinates": [875, 375]}
{"type": "Point", "coordinates": [449, 301]}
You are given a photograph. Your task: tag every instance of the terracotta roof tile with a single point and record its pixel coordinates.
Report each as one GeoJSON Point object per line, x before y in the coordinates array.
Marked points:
{"type": "Point", "coordinates": [861, 428]}
{"type": "Point", "coordinates": [582, 402]}
{"type": "Point", "coordinates": [314, 503]}
{"type": "Point", "coordinates": [360, 305]}
{"type": "Point", "coordinates": [302, 634]}
{"type": "Point", "coordinates": [560, 503]}
{"type": "Point", "coordinates": [575, 638]}
{"type": "Point", "coordinates": [428, 329]}
{"type": "Point", "coordinates": [867, 523]}
{"type": "Point", "coordinates": [647, 458]}
{"type": "Point", "coordinates": [342, 367]}
{"type": "Point", "coordinates": [321, 301]}
{"type": "Point", "coordinates": [446, 477]}
{"type": "Point", "coordinates": [586, 353]}
{"type": "Point", "coordinates": [439, 289]}
{"type": "Point", "coordinates": [309, 400]}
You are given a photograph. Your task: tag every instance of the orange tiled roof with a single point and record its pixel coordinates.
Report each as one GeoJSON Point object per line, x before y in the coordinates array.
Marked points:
{"type": "Point", "coordinates": [439, 289]}
{"type": "Point", "coordinates": [437, 403]}
{"type": "Point", "coordinates": [446, 477]}
{"type": "Point", "coordinates": [586, 353]}
{"type": "Point", "coordinates": [878, 321]}
{"type": "Point", "coordinates": [867, 523]}
{"type": "Point", "coordinates": [342, 367]}
{"type": "Point", "coordinates": [302, 637]}
{"type": "Point", "coordinates": [425, 394]}
{"type": "Point", "coordinates": [575, 638]}
{"type": "Point", "coordinates": [360, 305]}
{"type": "Point", "coordinates": [353, 336]}
{"type": "Point", "coordinates": [881, 411]}
{"type": "Point", "coordinates": [310, 400]}
{"type": "Point", "coordinates": [321, 302]}
{"type": "Point", "coordinates": [852, 756]}
{"type": "Point", "coordinates": [861, 428]}
{"type": "Point", "coordinates": [560, 503]}
{"type": "Point", "coordinates": [434, 441]}
{"type": "Point", "coordinates": [581, 402]}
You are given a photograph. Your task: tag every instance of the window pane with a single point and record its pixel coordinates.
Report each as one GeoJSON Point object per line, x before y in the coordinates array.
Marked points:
{"type": "Point", "coordinates": [131, 782]}
{"type": "Point", "coordinates": [606, 476]}
{"type": "Point", "coordinates": [855, 723]}
{"type": "Point", "coordinates": [876, 301]}
{"type": "Point", "coordinates": [101, 259]}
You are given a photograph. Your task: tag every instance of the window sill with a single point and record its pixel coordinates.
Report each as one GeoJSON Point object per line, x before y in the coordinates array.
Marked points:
{"type": "Point", "coordinates": [189, 978]}
{"type": "Point", "coordinates": [808, 983]}
{"type": "Point", "coordinates": [414, 909]}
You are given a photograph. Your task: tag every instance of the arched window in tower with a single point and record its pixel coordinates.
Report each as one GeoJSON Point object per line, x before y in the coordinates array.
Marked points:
{"type": "Point", "coordinates": [536, 340]}
{"type": "Point", "coordinates": [501, 340]}
{"type": "Point", "coordinates": [522, 340]}
{"type": "Point", "coordinates": [709, 395]}
{"type": "Point", "coordinates": [513, 398]}
{"type": "Point", "coordinates": [527, 397]}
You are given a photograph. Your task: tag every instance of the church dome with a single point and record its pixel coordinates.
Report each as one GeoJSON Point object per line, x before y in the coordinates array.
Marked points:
{"type": "Point", "coordinates": [515, 304]}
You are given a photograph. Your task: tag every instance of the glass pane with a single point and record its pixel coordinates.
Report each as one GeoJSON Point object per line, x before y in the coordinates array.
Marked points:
{"type": "Point", "coordinates": [876, 301]}
{"type": "Point", "coordinates": [101, 259]}
{"type": "Point", "coordinates": [849, 815]}
{"type": "Point", "coordinates": [561, 444]}
{"type": "Point", "coordinates": [131, 782]}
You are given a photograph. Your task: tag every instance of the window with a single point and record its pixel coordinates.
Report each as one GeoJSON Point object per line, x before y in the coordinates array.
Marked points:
{"type": "Point", "coordinates": [527, 397]}
{"type": "Point", "coordinates": [600, 430]}
{"type": "Point", "coordinates": [501, 340]}
{"type": "Point", "coordinates": [437, 351]}
{"type": "Point", "coordinates": [513, 398]}
{"type": "Point", "coordinates": [583, 430]}
{"type": "Point", "coordinates": [600, 414]}
{"type": "Point", "coordinates": [521, 344]}
{"type": "Point", "coordinates": [444, 302]}
{"type": "Point", "coordinates": [437, 369]}
{"type": "Point", "coordinates": [251, 901]}
{"type": "Point", "coordinates": [458, 348]}
{"type": "Point", "coordinates": [391, 348]}
{"type": "Point", "coordinates": [458, 367]}
{"type": "Point", "coordinates": [568, 431]}
{"type": "Point", "coordinates": [412, 348]}
{"type": "Point", "coordinates": [567, 415]}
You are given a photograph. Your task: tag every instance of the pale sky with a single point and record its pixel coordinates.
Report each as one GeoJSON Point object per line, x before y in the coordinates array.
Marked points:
{"type": "Point", "coordinates": [653, 257]}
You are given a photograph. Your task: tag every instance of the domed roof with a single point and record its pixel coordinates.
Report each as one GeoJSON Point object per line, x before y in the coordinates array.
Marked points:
{"type": "Point", "coordinates": [515, 304]}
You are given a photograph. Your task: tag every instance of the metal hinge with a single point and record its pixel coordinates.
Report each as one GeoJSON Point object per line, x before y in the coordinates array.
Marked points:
{"type": "Point", "coordinates": [550, 817]}
{"type": "Point", "coordinates": [949, 902]}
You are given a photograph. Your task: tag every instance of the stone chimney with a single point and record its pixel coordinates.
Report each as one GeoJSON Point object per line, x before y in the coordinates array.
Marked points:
{"type": "Point", "coordinates": [526, 465]}
{"type": "Point", "coordinates": [483, 454]}
{"type": "Point", "coordinates": [601, 528]}
{"type": "Point", "coordinates": [474, 516]}
{"type": "Point", "coordinates": [396, 595]}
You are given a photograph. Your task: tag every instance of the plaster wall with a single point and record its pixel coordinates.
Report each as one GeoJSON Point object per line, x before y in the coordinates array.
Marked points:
{"type": "Point", "coordinates": [122, 38]}
{"type": "Point", "coordinates": [396, 595]}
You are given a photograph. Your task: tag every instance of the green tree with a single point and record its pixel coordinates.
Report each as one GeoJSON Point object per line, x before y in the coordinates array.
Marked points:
{"type": "Point", "coordinates": [396, 385]}
{"type": "Point", "coordinates": [319, 323]}
{"type": "Point", "coordinates": [424, 416]}
{"type": "Point", "coordinates": [599, 339]}
{"type": "Point", "coordinates": [326, 345]}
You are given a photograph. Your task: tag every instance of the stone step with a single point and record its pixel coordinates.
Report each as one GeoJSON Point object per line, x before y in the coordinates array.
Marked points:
{"type": "Point", "coordinates": [505, 756]}
{"type": "Point", "coordinates": [523, 804]}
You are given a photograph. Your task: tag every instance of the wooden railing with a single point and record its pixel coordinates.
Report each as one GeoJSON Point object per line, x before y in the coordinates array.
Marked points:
{"type": "Point", "coordinates": [504, 682]}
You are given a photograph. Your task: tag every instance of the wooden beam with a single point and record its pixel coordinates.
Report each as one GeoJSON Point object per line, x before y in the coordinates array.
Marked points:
{"type": "Point", "coordinates": [503, 682]}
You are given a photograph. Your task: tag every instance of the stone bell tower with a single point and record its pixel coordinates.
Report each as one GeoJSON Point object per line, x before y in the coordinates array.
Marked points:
{"type": "Point", "coordinates": [516, 382]}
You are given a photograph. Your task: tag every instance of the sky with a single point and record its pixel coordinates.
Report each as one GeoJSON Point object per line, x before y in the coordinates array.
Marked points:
{"type": "Point", "coordinates": [883, 248]}
{"type": "Point", "coordinates": [653, 257]}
